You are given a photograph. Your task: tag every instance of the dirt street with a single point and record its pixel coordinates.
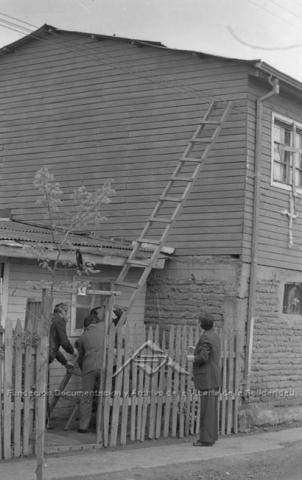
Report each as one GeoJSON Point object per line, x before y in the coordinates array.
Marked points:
{"type": "Point", "coordinates": [281, 464]}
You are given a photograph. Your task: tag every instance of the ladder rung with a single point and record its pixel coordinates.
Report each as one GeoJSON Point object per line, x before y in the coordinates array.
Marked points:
{"type": "Point", "coordinates": [182, 179]}
{"type": "Point", "coordinates": [172, 199]}
{"type": "Point", "coordinates": [210, 122]}
{"type": "Point", "coordinates": [152, 241]}
{"type": "Point", "coordinates": [190, 159]}
{"type": "Point", "coordinates": [202, 140]}
{"type": "Point", "coordinates": [126, 284]}
{"type": "Point", "coordinates": [159, 219]}
{"type": "Point", "coordinates": [138, 263]}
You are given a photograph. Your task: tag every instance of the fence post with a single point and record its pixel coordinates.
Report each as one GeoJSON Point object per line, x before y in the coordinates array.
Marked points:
{"type": "Point", "coordinates": [7, 389]}
{"type": "Point", "coordinates": [41, 384]}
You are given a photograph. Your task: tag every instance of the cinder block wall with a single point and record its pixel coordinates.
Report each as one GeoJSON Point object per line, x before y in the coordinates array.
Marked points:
{"type": "Point", "coordinates": [191, 285]}
{"type": "Point", "coordinates": [277, 347]}
{"type": "Point", "coordinates": [276, 373]}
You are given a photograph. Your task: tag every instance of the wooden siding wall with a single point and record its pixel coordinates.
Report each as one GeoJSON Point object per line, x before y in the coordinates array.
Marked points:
{"type": "Point", "coordinates": [91, 110]}
{"type": "Point", "coordinates": [273, 227]}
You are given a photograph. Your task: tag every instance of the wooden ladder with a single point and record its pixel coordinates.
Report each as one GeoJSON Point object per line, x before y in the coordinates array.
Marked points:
{"type": "Point", "coordinates": [181, 180]}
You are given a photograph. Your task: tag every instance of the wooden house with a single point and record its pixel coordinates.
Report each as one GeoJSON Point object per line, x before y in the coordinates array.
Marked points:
{"type": "Point", "coordinates": [93, 107]}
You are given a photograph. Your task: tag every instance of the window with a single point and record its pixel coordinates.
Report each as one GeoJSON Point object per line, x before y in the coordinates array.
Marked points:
{"type": "Point", "coordinates": [292, 299]}
{"type": "Point", "coordinates": [287, 153]}
{"type": "Point", "coordinates": [82, 304]}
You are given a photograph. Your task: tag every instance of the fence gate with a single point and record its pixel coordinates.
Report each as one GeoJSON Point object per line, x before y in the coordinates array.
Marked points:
{"type": "Point", "coordinates": [149, 393]}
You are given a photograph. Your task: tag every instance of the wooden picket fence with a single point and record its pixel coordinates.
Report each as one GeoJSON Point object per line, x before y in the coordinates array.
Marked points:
{"type": "Point", "coordinates": [145, 393]}
{"type": "Point", "coordinates": [22, 391]}
{"type": "Point", "coordinates": [149, 393]}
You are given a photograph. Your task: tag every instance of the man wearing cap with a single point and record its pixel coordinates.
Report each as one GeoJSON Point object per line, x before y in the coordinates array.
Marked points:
{"type": "Point", "coordinates": [206, 376]}
{"type": "Point", "coordinates": [90, 359]}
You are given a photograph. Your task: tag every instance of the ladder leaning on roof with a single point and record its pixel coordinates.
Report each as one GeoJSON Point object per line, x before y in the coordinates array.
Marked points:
{"type": "Point", "coordinates": [171, 200]}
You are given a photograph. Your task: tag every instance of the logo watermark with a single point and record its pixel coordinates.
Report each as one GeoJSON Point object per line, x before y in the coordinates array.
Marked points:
{"type": "Point", "coordinates": [153, 361]}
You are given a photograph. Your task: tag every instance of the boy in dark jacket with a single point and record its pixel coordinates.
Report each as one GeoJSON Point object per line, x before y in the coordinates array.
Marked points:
{"type": "Point", "coordinates": [58, 336]}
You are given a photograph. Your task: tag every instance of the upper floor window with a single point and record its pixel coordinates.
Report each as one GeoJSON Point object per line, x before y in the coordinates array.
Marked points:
{"type": "Point", "coordinates": [287, 153]}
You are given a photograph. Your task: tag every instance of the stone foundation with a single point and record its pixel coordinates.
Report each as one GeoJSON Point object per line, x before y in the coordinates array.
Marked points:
{"type": "Point", "coordinates": [191, 285]}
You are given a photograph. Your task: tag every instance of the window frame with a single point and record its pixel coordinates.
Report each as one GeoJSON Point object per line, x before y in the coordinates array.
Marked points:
{"type": "Point", "coordinates": [75, 332]}
{"type": "Point", "coordinates": [292, 149]}
{"type": "Point", "coordinates": [291, 284]}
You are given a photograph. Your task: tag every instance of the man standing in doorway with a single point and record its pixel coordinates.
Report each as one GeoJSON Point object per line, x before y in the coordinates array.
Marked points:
{"type": "Point", "coordinates": [206, 375]}
{"type": "Point", "coordinates": [91, 351]}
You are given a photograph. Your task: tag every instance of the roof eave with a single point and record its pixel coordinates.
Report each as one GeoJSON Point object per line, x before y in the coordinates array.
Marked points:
{"type": "Point", "coordinates": [23, 251]}
{"type": "Point", "coordinates": [283, 77]}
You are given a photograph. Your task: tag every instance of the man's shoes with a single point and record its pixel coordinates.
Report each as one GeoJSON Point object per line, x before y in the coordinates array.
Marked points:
{"type": "Point", "coordinates": [202, 444]}
{"type": "Point", "coordinates": [82, 430]}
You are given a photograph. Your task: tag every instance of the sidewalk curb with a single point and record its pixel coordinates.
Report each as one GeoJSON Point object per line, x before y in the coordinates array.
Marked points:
{"type": "Point", "coordinates": [78, 466]}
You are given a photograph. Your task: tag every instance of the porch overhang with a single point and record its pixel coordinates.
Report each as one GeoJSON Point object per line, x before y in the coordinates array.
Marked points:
{"type": "Point", "coordinates": [23, 251]}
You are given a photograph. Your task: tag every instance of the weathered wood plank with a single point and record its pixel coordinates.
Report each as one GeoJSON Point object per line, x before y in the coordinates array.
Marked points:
{"type": "Point", "coordinates": [154, 390]}
{"type": "Point", "coordinates": [161, 387]}
{"type": "Point", "coordinates": [182, 390]}
{"type": "Point", "coordinates": [108, 383]}
{"type": "Point", "coordinates": [18, 352]}
{"type": "Point", "coordinates": [117, 388]}
{"type": "Point", "coordinates": [126, 383]}
{"type": "Point", "coordinates": [168, 399]}
{"type": "Point", "coordinates": [146, 389]}
{"type": "Point", "coordinates": [176, 375]}
{"type": "Point", "coordinates": [7, 388]}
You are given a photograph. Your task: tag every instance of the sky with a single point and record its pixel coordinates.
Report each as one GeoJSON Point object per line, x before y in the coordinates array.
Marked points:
{"type": "Point", "coordinates": [270, 30]}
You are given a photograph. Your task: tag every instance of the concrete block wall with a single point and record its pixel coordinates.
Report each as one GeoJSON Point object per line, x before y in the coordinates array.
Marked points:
{"type": "Point", "coordinates": [277, 345]}
{"type": "Point", "coordinates": [191, 285]}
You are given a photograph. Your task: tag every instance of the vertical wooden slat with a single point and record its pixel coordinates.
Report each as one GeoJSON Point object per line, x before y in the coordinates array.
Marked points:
{"type": "Point", "coordinates": [140, 392]}
{"type": "Point", "coordinates": [237, 381]}
{"type": "Point", "coordinates": [99, 415]}
{"type": "Point", "coordinates": [18, 334]}
{"type": "Point", "coordinates": [125, 395]}
{"type": "Point", "coordinates": [154, 390]}
{"type": "Point", "coordinates": [41, 384]}
{"type": "Point", "coordinates": [146, 389]}
{"type": "Point", "coordinates": [230, 382]}
{"type": "Point", "coordinates": [117, 388]}
{"type": "Point", "coordinates": [175, 407]}
{"type": "Point", "coordinates": [108, 385]}
{"type": "Point", "coordinates": [28, 377]}
{"type": "Point", "coordinates": [189, 398]}
{"type": "Point", "coordinates": [197, 396]}
{"type": "Point", "coordinates": [134, 399]}
{"type": "Point", "coordinates": [168, 396]}
{"type": "Point", "coordinates": [182, 391]}
{"type": "Point", "coordinates": [224, 384]}
{"type": "Point", "coordinates": [1, 389]}
{"type": "Point", "coordinates": [7, 405]}
{"type": "Point", "coordinates": [161, 386]}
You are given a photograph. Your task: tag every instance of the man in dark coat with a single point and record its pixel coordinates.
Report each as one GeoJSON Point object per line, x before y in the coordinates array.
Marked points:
{"type": "Point", "coordinates": [206, 375]}
{"type": "Point", "coordinates": [90, 359]}
{"type": "Point", "coordinates": [58, 336]}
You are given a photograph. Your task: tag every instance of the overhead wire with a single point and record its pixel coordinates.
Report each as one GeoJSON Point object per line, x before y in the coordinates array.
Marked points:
{"type": "Point", "coordinates": [262, 47]}
{"type": "Point", "coordinates": [287, 10]}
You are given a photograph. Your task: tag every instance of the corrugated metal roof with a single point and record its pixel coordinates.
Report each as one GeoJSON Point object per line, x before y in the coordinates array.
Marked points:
{"type": "Point", "coordinates": [23, 232]}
